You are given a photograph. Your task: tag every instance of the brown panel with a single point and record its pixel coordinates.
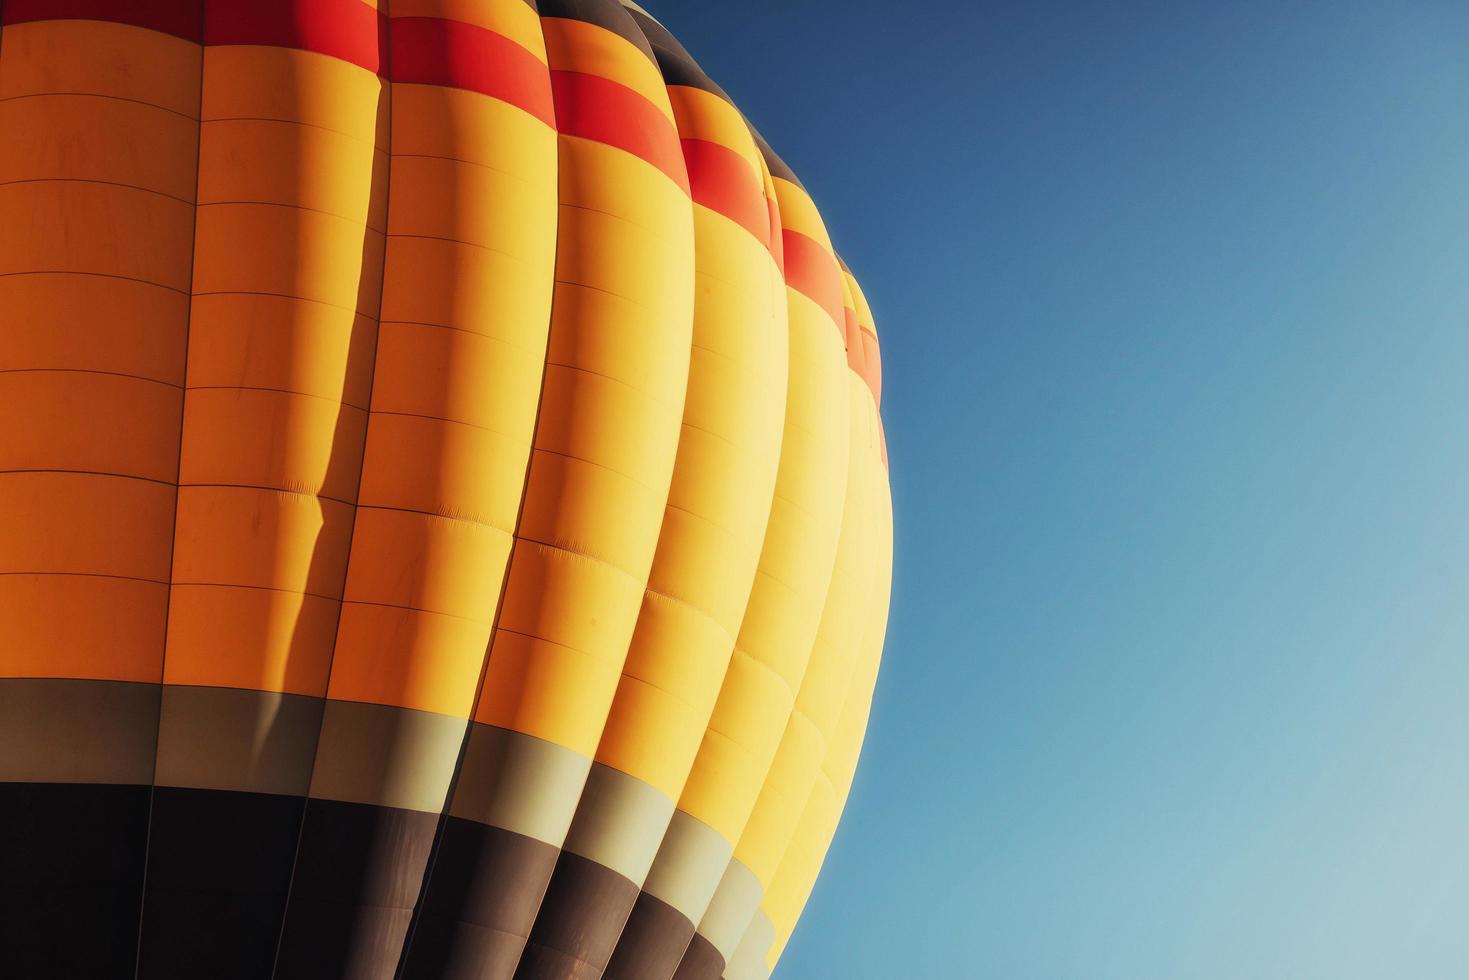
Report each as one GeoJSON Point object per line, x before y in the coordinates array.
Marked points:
{"type": "Point", "coordinates": [357, 877]}
{"type": "Point", "coordinates": [231, 739]}
{"type": "Point", "coordinates": [77, 731]}
{"type": "Point", "coordinates": [480, 904]}
{"type": "Point", "coordinates": [386, 756]}
{"type": "Point", "coordinates": [778, 167]}
{"type": "Point", "coordinates": [519, 783]}
{"type": "Point", "coordinates": [701, 961]}
{"type": "Point", "coordinates": [677, 65]}
{"type": "Point", "coordinates": [582, 916]}
{"type": "Point", "coordinates": [652, 942]}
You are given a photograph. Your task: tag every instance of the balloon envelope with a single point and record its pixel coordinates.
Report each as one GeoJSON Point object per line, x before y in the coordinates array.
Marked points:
{"type": "Point", "coordinates": [445, 512]}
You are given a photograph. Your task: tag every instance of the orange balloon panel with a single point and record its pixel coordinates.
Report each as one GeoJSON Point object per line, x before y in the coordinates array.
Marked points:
{"type": "Point", "coordinates": [443, 495]}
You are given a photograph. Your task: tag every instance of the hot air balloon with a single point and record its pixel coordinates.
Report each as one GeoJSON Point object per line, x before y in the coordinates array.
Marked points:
{"type": "Point", "coordinates": [444, 514]}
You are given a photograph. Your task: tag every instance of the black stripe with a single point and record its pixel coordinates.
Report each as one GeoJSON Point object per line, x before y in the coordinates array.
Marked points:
{"type": "Point", "coordinates": [701, 961]}
{"type": "Point", "coordinates": [479, 905]}
{"type": "Point", "coordinates": [219, 866]}
{"type": "Point", "coordinates": [71, 878]}
{"type": "Point", "coordinates": [576, 930]}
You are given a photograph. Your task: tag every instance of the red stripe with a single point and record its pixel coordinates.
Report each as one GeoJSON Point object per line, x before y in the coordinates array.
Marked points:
{"type": "Point", "coordinates": [181, 19]}
{"type": "Point", "coordinates": [345, 29]}
{"type": "Point", "coordinates": [600, 109]}
{"type": "Point", "coordinates": [434, 51]}
{"type": "Point", "coordinates": [810, 269]}
{"type": "Point", "coordinates": [721, 180]}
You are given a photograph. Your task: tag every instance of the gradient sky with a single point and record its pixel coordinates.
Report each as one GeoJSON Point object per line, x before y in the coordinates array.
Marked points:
{"type": "Point", "coordinates": [1174, 299]}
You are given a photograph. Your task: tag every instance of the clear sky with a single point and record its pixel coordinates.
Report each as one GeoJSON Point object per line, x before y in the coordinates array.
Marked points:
{"type": "Point", "coordinates": [1174, 302]}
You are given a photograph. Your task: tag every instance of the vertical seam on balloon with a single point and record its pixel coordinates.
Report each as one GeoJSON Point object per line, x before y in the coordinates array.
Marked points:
{"type": "Point", "coordinates": [178, 481]}
{"type": "Point", "coordinates": [434, 848]}
{"type": "Point", "coordinates": [385, 73]}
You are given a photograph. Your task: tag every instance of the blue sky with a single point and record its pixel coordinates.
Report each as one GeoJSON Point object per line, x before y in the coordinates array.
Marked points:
{"type": "Point", "coordinates": [1174, 300]}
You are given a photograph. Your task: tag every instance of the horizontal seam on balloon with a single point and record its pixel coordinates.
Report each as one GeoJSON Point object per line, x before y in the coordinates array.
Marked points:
{"type": "Point", "coordinates": [820, 519]}
{"type": "Point", "coordinates": [100, 95]}
{"type": "Point", "coordinates": [672, 695]}
{"type": "Point", "coordinates": [107, 374]}
{"type": "Point", "coordinates": [417, 609]}
{"type": "Point", "coordinates": [295, 299]}
{"type": "Point", "coordinates": [746, 368]}
{"type": "Point", "coordinates": [99, 275]}
{"type": "Point", "coordinates": [645, 308]}
{"type": "Point", "coordinates": [306, 593]}
{"type": "Point", "coordinates": [565, 954]}
{"type": "Point", "coordinates": [521, 260]}
{"type": "Point", "coordinates": [773, 786]}
{"type": "Point", "coordinates": [601, 466]}
{"type": "Point", "coordinates": [509, 532]}
{"type": "Point", "coordinates": [631, 576]}
{"type": "Point", "coordinates": [700, 610]}
{"type": "Point", "coordinates": [331, 399]}
{"type": "Point", "coordinates": [211, 41]}
{"type": "Point", "coordinates": [97, 180]}
{"type": "Point", "coordinates": [504, 99]}
{"type": "Point", "coordinates": [647, 396]}
{"type": "Point", "coordinates": [703, 518]}
{"type": "Point", "coordinates": [519, 443]}
{"type": "Point", "coordinates": [656, 233]}
{"type": "Point", "coordinates": [631, 670]}
{"type": "Point", "coordinates": [702, 270]}
{"type": "Point", "coordinates": [80, 472]}
{"type": "Point", "coordinates": [596, 660]}
{"type": "Point", "coordinates": [685, 423]}
{"type": "Point", "coordinates": [522, 178]}
{"type": "Point", "coordinates": [779, 799]}
{"type": "Point", "coordinates": [538, 355]}
{"type": "Point", "coordinates": [123, 578]}
{"type": "Point", "coordinates": [345, 219]}
{"type": "Point", "coordinates": [795, 423]}
{"type": "Point", "coordinates": [204, 120]}
{"type": "Point", "coordinates": [476, 925]}
{"type": "Point", "coordinates": [762, 572]}
{"type": "Point", "coordinates": [283, 491]}
{"type": "Point", "coordinates": [755, 659]}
